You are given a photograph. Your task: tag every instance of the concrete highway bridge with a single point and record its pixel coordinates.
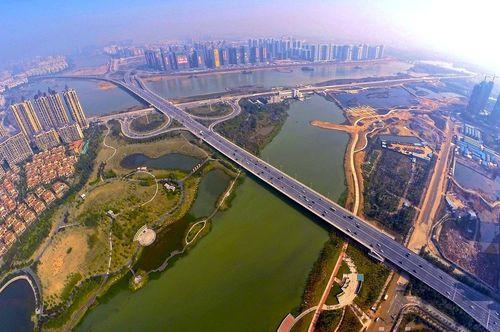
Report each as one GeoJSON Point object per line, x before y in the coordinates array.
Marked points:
{"type": "Point", "coordinates": [481, 307]}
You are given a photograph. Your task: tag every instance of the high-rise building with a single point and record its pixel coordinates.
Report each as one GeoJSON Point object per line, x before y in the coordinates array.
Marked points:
{"type": "Point", "coordinates": [47, 140]}
{"type": "Point", "coordinates": [252, 54]}
{"type": "Point", "coordinates": [233, 57]}
{"type": "Point", "coordinates": [43, 112]}
{"type": "Point", "coordinates": [58, 113]}
{"type": "Point", "coordinates": [3, 131]}
{"type": "Point", "coordinates": [216, 57]}
{"type": "Point", "coordinates": [26, 118]}
{"type": "Point", "coordinates": [495, 114]}
{"type": "Point", "coordinates": [242, 55]}
{"type": "Point", "coordinates": [75, 108]}
{"type": "Point", "coordinates": [356, 52]}
{"type": "Point", "coordinates": [324, 53]}
{"type": "Point", "coordinates": [364, 52]}
{"type": "Point", "coordinates": [345, 53]}
{"type": "Point", "coordinates": [70, 133]}
{"type": "Point", "coordinates": [373, 52]}
{"type": "Point", "coordinates": [14, 149]}
{"type": "Point", "coordinates": [154, 59]}
{"type": "Point", "coordinates": [479, 97]}
{"type": "Point", "coordinates": [380, 54]}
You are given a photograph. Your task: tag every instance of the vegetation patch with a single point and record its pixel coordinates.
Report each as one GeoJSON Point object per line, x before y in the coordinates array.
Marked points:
{"type": "Point", "coordinates": [350, 323]}
{"type": "Point", "coordinates": [256, 126]}
{"type": "Point", "coordinates": [393, 190]}
{"type": "Point", "coordinates": [328, 320]}
{"type": "Point", "coordinates": [148, 122]}
{"type": "Point", "coordinates": [211, 110]}
{"type": "Point", "coordinates": [375, 276]}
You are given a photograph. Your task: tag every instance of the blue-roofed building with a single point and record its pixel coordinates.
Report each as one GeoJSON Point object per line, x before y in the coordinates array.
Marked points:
{"type": "Point", "coordinates": [475, 150]}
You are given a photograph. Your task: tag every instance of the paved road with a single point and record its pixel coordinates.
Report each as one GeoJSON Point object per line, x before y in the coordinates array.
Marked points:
{"type": "Point", "coordinates": [479, 306]}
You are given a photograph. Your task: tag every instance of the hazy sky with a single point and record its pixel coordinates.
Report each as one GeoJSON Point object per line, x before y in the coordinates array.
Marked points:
{"type": "Point", "coordinates": [465, 29]}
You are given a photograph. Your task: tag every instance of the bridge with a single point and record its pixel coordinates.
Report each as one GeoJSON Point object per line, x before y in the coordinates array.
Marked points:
{"type": "Point", "coordinates": [479, 306]}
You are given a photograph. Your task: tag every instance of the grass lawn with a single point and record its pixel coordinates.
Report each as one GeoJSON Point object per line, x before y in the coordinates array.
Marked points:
{"type": "Point", "coordinates": [148, 122]}
{"type": "Point", "coordinates": [213, 110]}
{"type": "Point", "coordinates": [81, 251]}
{"type": "Point", "coordinates": [154, 149]}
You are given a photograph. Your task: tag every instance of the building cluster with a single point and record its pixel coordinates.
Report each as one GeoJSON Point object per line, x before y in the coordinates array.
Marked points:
{"type": "Point", "coordinates": [44, 187]}
{"type": "Point", "coordinates": [479, 99]}
{"type": "Point", "coordinates": [49, 165]}
{"type": "Point", "coordinates": [408, 145]}
{"type": "Point", "coordinates": [471, 131]}
{"type": "Point", "coordinates": [15, 219]}
{"type": "Point", "coordinates": [118, 51]}
{"type": "Point", "coordinates": [36, 67]}
{"type": "Point", "coordinates": [44, 123]}
{"type": "Point", "coordinates": [214, 55]}
{"type": "Point", "coordinates": [474, 149]}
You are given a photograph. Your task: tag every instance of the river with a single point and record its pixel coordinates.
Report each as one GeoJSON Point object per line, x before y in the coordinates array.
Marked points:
{"type": "Point", "coordinates": [205, 84]}
{"type": "Point", "coordinates": [250, 270]}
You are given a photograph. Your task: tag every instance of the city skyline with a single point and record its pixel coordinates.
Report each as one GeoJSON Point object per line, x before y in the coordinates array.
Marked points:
{"type": "Point", "coordinates": [388, 22]}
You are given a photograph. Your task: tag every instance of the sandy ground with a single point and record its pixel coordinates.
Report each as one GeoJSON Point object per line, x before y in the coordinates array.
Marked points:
{"type": "Point", "coordinates": [57, 264]}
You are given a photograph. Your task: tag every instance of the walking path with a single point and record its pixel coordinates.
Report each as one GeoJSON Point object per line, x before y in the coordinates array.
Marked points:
{"type": "Point", "coordinates": [224, 197]}
{"type": "Point", "coordinates": [328, 287]}
{"type": "Point", "coordinates": [106, 144]}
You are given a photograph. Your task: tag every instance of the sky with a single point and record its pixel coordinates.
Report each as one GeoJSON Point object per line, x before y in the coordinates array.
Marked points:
{"type": "Point", "coordinates": [466, 30]}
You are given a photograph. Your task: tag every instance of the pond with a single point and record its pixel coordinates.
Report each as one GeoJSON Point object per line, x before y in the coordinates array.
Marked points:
{"type": "Point", "coordinates": [470, 179]}
{"type": "Point", "coordinates": [168, 161]}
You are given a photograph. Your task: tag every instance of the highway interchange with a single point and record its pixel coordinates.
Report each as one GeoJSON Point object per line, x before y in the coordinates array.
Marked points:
{"type": "Point", "coordinates": [482, 308]}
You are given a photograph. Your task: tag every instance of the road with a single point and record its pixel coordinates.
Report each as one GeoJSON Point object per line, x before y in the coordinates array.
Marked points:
{"type": "Point", "coordinates": [479, 306]}
{"type": "Point", "coordinates": [434, 193]}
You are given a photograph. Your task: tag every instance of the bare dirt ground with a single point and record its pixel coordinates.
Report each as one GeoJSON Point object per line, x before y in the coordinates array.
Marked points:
{"type": "Point", "coordinates": [106, 86]}
{"type": "Point", "coordinates": [65, 255]}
